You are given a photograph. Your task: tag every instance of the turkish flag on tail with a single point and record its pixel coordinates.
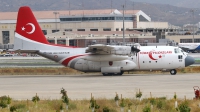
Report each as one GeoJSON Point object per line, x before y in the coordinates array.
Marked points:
{"type": "Point", "coordinates": [28, 26]}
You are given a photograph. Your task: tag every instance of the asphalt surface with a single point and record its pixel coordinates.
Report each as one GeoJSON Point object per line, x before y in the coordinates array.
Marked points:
{"type": "Point", "coordinates": [81, 86]}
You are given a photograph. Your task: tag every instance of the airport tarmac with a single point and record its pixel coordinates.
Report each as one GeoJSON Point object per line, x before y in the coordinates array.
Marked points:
{"type": "Point", "coordinates": [81, 86]}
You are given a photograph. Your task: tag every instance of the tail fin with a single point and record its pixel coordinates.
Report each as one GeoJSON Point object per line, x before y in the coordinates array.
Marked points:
{"type": "Point", "coordinates": [28, 35]}
{"type": "Point", "coordinates": [28, 27]}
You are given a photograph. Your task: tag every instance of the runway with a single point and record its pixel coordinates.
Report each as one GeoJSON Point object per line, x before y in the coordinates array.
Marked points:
{"type": "Point", "coordinates": [81, 86]}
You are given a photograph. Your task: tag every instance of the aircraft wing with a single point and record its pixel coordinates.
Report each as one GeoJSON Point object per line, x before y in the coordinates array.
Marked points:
{"type": "Point", "coordinates": [99, 49]}
{"type": "Point", "coordinates": [108, 49]}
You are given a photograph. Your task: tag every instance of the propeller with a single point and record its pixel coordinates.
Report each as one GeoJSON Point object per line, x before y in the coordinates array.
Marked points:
{"type": "Point", "coordinates": [134, 49]}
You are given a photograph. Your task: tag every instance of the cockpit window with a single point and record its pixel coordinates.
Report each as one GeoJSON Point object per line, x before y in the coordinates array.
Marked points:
{"type": "Point", "coordinates": [177, 50]}
{"type": "Point", "coordinates": [182, 51]}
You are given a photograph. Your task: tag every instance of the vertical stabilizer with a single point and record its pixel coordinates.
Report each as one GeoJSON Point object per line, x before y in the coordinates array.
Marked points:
{"type": "Point", "coordinates": [28, 27]}
{"type": "Point", "coordinates": [28, 35]}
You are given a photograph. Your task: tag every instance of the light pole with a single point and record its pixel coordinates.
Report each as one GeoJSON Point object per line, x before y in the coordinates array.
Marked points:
{"type": "Point", "coordinates": [69, 7]}
{"type": "Point", "coordinates": [111, 5]}
{"type": "Point", "coordinates": [56, 19]}
{"type": "Point", "coordinates": [123, 26]}
{"type": "Point", "coordinates": [192, 10]}
{"type": "Point", "coordinates": [83, 7]}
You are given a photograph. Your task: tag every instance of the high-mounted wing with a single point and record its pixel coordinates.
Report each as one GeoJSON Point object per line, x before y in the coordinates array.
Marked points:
{"type": "Point", "coordinates": [108, 49]}
{"type": "Point", "coordinates": [99, 49]}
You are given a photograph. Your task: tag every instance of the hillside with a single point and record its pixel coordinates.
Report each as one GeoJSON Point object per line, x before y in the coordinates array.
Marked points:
{"type": "Point", "coordinates": [158, 12]}
{"type": "Point", "coordinates": [179, 3]}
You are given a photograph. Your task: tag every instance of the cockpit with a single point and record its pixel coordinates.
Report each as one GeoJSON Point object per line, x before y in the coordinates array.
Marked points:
{"type": "Point", "coordinates": [179, 50]}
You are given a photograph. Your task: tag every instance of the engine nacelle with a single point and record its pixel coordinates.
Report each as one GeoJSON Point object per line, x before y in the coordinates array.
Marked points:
{"type": "Point", "coordinates": [122, 50]}
{"type": "Point", "coordinates": [125, 50]}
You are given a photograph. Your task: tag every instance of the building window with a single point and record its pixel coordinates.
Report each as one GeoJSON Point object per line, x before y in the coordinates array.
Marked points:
{"type": "Point", "coordinates": [54, 31]}
{"type": "Point", "coordinates": [89, 18]}
{"type": "Point", "coordinates": [68, 29]}
{"type": "Point", "coordinates": [107, 29]}
{"type": "Point", "coordinates": [6, 37]}
{"type": "Point", "coordinates": [189, 40]}
{"type": "Point", "coordinates": [80, 29]}
{"type": "Point", "coordinates": [117, 29]}
{"type": "Point", "coordinates": [185, 40]}
{"type": "Point", "coordinates": [44, 32]}
{"type": "Point", "coordinates": [93, 29]}
{"type": "Point", "coordinates": [51, 41]}
{"type": "Point", "coordinates": [72, 42]}
{"type": "Point", "coordinates": [197, 40]}
{"type": "Point", "coordinates": [61, 42]}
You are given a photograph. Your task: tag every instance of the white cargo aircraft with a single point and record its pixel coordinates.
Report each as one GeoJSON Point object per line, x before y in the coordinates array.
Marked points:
{"type": "Point", "coordinates": [106, 59]}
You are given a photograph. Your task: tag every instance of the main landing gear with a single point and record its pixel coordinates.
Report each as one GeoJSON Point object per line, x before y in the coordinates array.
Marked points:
{"type": "Point", "coordinates": [173, 72]}
{"type": "Point", "coordinates": [113, 74]}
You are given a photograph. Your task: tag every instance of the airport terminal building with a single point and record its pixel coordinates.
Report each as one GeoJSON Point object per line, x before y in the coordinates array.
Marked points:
{"type": "Point", "coordinates": [85, 27]}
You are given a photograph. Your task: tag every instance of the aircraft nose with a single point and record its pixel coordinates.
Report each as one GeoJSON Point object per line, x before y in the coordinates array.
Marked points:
{"type": "Point", "coordinates": [189, 61]}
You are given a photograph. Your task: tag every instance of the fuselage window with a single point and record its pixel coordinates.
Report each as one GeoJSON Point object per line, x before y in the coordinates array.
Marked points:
{"type": "Point", "coordinates": [149, 61]}
{"type": "Point", "coordinates": [180, 57]}
{"type": "Point", "coordinates": [143, 61]}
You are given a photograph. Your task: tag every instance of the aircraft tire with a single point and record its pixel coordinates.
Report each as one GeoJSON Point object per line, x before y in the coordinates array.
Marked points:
{"type": "Point", "coordinates": [173, 72]}
{"type": "Point", "coordinates": [120, 73]}
{"type": "Point", "coordinates": [113, 74]}
{"type": "Point", "coordinates": [105, 74]}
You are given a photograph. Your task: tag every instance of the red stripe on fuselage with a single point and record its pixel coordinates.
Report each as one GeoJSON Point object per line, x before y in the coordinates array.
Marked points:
{"type": "Point", "coordinates": [59, 45]}
{"type": "Point", "coordinates": [66, 61]}
{"type": "Point", "coordinates": [139, 59]}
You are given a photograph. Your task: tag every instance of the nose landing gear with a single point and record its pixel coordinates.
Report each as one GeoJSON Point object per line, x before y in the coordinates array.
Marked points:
{"type": "Point", "coordinates": [173, 72]}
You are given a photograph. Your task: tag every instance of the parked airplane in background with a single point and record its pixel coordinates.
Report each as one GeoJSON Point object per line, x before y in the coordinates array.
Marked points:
{"type": "Point", "coordinates": [107, 59]}
{"type": "Point", "coordinates": [190, 47]}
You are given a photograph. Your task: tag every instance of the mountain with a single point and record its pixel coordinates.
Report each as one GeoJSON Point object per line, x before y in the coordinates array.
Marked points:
{"type": "Point", "coordinates": [158, 12]}
{"type": "Point", "coordinates": [178, 3]}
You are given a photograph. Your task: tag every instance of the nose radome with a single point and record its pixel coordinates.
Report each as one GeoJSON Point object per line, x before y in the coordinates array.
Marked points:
{"type": "Point", "coordinates": [189, 61]}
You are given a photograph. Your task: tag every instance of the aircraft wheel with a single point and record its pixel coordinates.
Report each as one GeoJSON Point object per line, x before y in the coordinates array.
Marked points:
{"type": "Point", "coordinates": [173, 72]}
{"type": "Point", "coordinates": [105, 74]}
{"type": "Point", "coordinates": [113, 74]}
{"type": "Point", "coordinates": [122, 72]}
